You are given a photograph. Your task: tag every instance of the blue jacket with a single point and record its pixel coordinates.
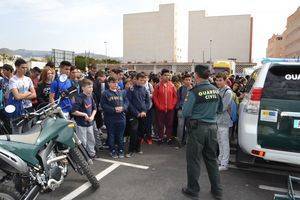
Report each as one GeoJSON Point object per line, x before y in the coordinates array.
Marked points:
{"type": "Point", "coordinates": [181, 94]}
{"type": "Point", "coordinates": [139, 100]}
{"type": "Point", "coordinates": [58, 87]}
{"type": "Point", "coordinates": [111, 99]}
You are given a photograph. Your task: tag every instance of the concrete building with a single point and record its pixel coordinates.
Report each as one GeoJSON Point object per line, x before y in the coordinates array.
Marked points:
{"type": "Point", "coordinates": [291, 35]}
{"type": "Point", "coordinates": [288, 44]}
{"type": "Point", "coordinates": [151, 36]}
{"type": "Point", "coordinates": [219, 37]}
{"type": "Point", "coordinates": [275, 47]}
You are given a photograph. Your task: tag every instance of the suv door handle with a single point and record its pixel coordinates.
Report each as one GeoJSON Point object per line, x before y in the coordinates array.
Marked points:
{"type": "Point", "coordinates": [290, 114]}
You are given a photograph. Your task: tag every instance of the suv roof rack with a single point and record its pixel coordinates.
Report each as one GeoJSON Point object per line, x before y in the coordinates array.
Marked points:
{"type": "Point", "coordinates": [271, 60]}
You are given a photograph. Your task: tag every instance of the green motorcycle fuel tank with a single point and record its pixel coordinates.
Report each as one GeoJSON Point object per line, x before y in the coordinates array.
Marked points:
{"type": "Point", "coordinates": [56, 129]}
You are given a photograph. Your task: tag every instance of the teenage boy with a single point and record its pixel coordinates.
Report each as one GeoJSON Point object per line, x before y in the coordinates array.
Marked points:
{"type": "Point", "coordinates": [150, 114]}
{"type": "Point", "coordinates": [100, 86]}
{"type": "Point", "coordinates": [84, 111]}
{"type": "Point", "coordinates": [114, 104]}
{"type": "Point", "coordinates": [92, 72]}
{"type": "Point", "coordinates": [181, 93]}
{"type": "Point", "coordinates": [224, 121]}
{"type": "Point", "coordinates": [35, 74]}
{"type": "Point", "coordinates": [139, 104]}
{"type": "Point", "coordinates": [119, 75]}
{"type": "Point", "coordinates": [165, 99]}
{"type": "Point", "coordinates": [22, 89]}
{"type": "Point", "coordinates": [60, 85]}
{"type": "Point", "coordinates": [7, 74]}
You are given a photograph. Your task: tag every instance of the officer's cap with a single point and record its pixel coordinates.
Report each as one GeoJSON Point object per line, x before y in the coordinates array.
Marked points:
{"type": "Point", "coordinates": [203, 71]}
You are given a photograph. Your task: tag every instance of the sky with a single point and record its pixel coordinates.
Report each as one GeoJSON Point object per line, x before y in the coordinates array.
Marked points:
{"type": "Point", "coordinates": [80, 26]}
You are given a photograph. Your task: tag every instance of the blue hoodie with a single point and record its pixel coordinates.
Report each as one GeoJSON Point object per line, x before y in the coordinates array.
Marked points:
{"type": "Point", "coordinates": [139, 100]}
{"type": "Point", "coordinates": [111, 99]}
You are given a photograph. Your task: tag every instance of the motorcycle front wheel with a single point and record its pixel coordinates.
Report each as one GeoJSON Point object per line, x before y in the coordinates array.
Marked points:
{"type": "Point", "coordinates": [8, 193]}
{"type": "Point", "coordinates": [79, 160]}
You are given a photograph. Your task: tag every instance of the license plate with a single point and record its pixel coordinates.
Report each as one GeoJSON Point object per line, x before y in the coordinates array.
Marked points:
{"type": "Point", "coordinates": [296, 123]}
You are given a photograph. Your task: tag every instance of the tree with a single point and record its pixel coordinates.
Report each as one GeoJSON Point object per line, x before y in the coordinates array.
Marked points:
{"type": "Point", "coordinates": [6, 57]}
{"type": "Point", "coordinates": [48, 58]}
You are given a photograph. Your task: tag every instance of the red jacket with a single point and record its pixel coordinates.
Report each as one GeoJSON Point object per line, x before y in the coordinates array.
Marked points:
{"type": "Point", "coordinates": [165, 96]}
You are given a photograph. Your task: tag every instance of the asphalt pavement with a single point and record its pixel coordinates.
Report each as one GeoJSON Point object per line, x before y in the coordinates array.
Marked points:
{"type": "Point", "coordinates": [159, 174]}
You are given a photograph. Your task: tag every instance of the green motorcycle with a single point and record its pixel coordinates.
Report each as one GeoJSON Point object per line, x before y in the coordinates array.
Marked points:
{"type": "Point", "coordinates": [38, 160]}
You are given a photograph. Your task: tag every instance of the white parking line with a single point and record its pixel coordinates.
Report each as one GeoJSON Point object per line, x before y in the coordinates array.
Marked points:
{"type": "Point", "coordinates": [87, 185]}
{"type": "Point", "coordinates": [123, 163]}
{"type": "Point", "coordinates": [275, 189]}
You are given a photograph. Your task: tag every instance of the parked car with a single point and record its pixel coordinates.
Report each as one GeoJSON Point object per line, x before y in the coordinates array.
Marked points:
{"type": "Point", "coordinates": [269, 115]}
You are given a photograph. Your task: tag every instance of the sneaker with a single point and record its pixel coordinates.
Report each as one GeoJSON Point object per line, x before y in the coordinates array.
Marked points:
{"type": "Point", "coordinates": [149, 141]}
{"type": "Point", "coordinates": [121, 155]}
{"type": "Point", "coordinates": [170, 141]}
{"type": "Point", "coordinates": [129, 155]}
{"type": "Point", "coordinates": [186, 192]}
{"type": "Point", "coordinates": [216, 195]}
{"type": "Point", "coordinates": [114, 155]}
{"type": "Point", "coordinates": [159, 141]}
{"type": "Point", "coordinates": [140, 152]}
{"type": "Point", "coordinates": [223, 168]}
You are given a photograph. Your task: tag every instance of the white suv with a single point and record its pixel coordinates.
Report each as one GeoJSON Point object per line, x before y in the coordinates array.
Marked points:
{"type": "Point", "coordinates": [269, 115]}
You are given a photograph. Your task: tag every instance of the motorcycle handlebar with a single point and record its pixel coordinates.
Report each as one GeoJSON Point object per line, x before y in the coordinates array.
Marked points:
{"type": "Point", "coordinates": [44, 110]}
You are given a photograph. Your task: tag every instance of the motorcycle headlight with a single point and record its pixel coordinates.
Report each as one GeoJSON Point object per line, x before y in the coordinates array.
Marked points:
{"type": "Point", "coordinates": [71, 125]}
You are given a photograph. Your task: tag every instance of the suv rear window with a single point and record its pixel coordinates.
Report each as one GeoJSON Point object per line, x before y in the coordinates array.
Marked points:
{"type": "Point", "coordinates": [251, 81]}
{"type": "Point", "coordinates": [282, 82]}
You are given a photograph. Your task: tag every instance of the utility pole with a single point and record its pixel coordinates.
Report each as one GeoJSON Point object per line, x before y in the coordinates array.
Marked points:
{"type": "Point", "coordinates": [105, 43]}
{"type": "Point", "coordinates": [85, 59]}
{"type": "Point", "coordinates": [210, 41]}
{"type": "Point", "coordinates": [203, 56]}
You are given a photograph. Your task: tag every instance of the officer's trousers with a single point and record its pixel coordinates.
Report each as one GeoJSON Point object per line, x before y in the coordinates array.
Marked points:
{"type": "Point", "coordinates": [202, 143]}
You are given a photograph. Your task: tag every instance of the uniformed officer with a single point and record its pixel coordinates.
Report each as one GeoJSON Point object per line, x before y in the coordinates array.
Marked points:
{"type": "Point", "coordinates": [201, 106]}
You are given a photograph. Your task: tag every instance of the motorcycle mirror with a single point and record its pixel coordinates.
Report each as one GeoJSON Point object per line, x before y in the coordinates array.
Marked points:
{"type": "Point", "coordinates": [63, 78]}
{"type": "Point", "coordinates": [10, 109]}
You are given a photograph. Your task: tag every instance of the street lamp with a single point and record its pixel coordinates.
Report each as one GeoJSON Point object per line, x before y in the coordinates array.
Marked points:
{"type": "Point", "coordinates": [210, 41]}
{"type": "Point", "coordinates": [105, 43]}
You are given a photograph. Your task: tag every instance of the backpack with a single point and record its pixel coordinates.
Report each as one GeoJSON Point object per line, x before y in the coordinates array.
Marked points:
{"type": "Point", "coordinates": [20, 110]}
{"type": "Point", "coordinates": [232, 109]}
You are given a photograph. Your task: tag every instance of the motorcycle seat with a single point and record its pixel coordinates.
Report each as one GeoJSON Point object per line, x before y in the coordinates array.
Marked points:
{"type": "Point", "coordinates": [29, 137]}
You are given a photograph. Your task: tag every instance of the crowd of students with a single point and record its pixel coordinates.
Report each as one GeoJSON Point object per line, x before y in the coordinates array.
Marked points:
{"type": "Point", "coordinates": [141, 107]}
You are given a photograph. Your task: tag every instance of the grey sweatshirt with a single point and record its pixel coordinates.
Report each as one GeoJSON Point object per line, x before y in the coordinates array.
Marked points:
{"type": "Point", "coordinates": [224, 117]}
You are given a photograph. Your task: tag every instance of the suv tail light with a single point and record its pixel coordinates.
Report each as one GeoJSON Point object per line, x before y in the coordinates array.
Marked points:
{"type": "Point", "coordinates": [256, 94]}
{"type": "Point", "coordinates": [253, 105]}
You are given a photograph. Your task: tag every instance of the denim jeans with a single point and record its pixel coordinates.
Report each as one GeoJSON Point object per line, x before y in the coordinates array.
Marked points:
{"type": "Point", "coordinates": [116, 134]}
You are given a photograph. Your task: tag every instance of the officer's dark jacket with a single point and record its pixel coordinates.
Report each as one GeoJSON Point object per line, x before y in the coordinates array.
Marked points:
{"type": "Point", "coordinates": [203, 102]}
{"type": "Point", "coordinates": [109, 101]}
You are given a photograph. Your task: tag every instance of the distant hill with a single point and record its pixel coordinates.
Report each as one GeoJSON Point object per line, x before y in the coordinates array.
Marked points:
{"type": "Point", "coordinates": [36, 53]}
{"type": "Point", "coordinates": [7, 51]}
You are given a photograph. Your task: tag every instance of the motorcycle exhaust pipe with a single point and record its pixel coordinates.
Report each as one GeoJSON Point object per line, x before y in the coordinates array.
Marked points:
{"type": "Point", "coordinates": [59, 158]}
{"type": "Point", "coordinates": [33, 193]}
